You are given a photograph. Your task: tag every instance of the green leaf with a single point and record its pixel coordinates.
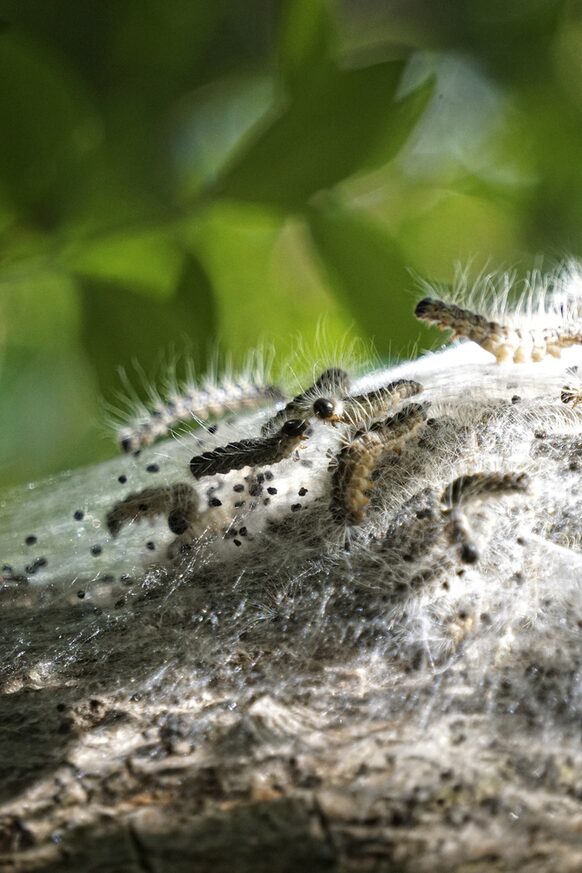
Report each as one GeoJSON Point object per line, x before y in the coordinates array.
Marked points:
{"type": "Point", "coordinates": [209, 125]}
{"type": "Point", "coordinates": [49, 133]}
{"type": "Point", "coordinates": [158, 45]}
{"type": "Point", "coordinates": [147, 263]}
{"type": "Point", "coordinates": [39, 310]}
{"type": "Point", "coordinates": [123, 329]}
{"type": "Point", "coordinates": [368, 274]}
{"type": "Point", "coordinates": [325, 135]}
{"type": "Point", "coordinates": [306, 43]}
{"type": "Point", "coordinates": [454, 227]}
{"type": "Point", "coordinates": [405, 114]}
{"type": "Point", "coordinates": [266, 287]}
{"type": "Point", "coordinates": [47, 407]}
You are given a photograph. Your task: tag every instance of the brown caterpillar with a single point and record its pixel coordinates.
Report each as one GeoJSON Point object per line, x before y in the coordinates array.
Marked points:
{"type": "Point", "coordinates": [357, 461]}
{"type": "Point", "coordinates": [467, 488]}
{"type": "Point", "coordinates": [504, 341]}
{"type": "Point", "coordinates": [250, 452]}
{"type": "Point", "coordinates": [569, 395]}
{"type": "Point", "coordinates": [193, 402]}
{"type": "Point", "coordinates": [331, 381]}
{"type": "Point", "coordinates": [358, 409]}
{"type": "Point", "coordinates": [179, 502]}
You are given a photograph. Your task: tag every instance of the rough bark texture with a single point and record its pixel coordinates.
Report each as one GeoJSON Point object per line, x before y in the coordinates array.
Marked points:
{"type": "Point", "coordinates": [298, 705]}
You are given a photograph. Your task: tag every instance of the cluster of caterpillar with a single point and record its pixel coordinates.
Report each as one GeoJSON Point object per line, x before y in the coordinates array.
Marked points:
{"type": "Point", "coordinates": [367, 429]}
{"type": "Point", "coordinates": [325, 400]}
{"type": "Point", "coordinates": [373, 425]}
{"type": "Point", "coordinates": [401, 479]}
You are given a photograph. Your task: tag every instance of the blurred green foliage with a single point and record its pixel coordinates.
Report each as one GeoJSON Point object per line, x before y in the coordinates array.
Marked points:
{"type": "Point", "coordinates": [179, 176]}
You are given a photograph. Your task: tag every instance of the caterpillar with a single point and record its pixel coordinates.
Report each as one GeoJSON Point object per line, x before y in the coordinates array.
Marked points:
{"type": "Point", "coordinates": [571, 393]}
{"type": "Point", "coordinates": [358, 409]}
{"type": "Point", "coordinates": [359, 458]}
{"type": "Point", "coordinates": [544, 320]}
{"type": "Point", "coordinates": [331, 381]}
{"type": "Point", "coordinates": [256, 452]}
{"type": "Point", "coordinates": [468, 488]}
{"type": "Point", "coordinates": [504, 341]}
{"type": "Point", "coordinates": [152, 424]}
{"type": "Point", "coordinates": [179, 502]}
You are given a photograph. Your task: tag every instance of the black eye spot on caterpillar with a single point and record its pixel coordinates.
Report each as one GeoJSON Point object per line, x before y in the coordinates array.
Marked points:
{"type": "Point", "coordinates": [179, 502]}
{"type": "Point", "coordinates": [361, 408]}
{"type": "Point", "coordinates": [332, 381]}
{"type": "Point", "coordinates": [468, 488]}
{"type": "Point", "coordinates": [151, 424]}
{"type": "Point", "coordinates": [324, 408]}
{"type": "Point", "coordinates": [250, 452]}
{"type": "Point", "coordinates": [352, 480]}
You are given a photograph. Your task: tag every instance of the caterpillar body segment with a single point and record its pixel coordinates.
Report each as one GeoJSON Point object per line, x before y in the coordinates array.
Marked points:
{"type": "Point", "coordinates": [359, 458]}
{"type": "Point", "coordinates": [256, 452]}
{"type": "Point", "coordinates": [571, 396]}
{"type": "Point", "coordinates": [506, 341]}
{"type": "Point", "coordinates": [480, 484]}
{"type": "Point", "coordinates": [466, 489]}
{"type": "Point", "coordinates": [571, 392]}
{"type": "Point", "coordinates": [179, 502]}
{"type": "Point", "coordinates": [459, 534]}
{"type": "Point", "coordinates": [193, 402]}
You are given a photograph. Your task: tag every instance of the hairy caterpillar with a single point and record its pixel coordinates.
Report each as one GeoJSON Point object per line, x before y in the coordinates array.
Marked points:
{"type": "Point", "coordinates": [362, 408]}
{"type": "Point", "coordinates": [179, 502]}
{"type": "Point", "coordinates": [543, 321]}
{"type": "Point", "coordinates": [571, 392]}
{"type": "Point", "coordinates": [150, 424]}
{"type": "Point", "coordinates": [332, 381]}
{"type": "Point", "coordinates": [252, 452]}
{"type": "Point", "coordinates": [469, 488]}
{"type": "Point", "coordinates": [358, 459]}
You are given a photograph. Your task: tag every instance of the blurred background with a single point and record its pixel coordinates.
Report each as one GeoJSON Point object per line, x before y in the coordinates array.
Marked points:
{"type": "Point", "coordinates": [180, 176]}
